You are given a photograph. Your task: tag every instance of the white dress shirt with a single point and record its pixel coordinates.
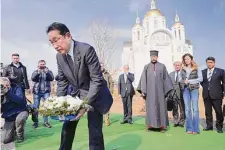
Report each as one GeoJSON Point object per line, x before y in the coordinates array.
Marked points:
{"type": "Point", "coordinates": [71, 51]}
{"type": "Point", "coordinates": [209, 76]}
{"type": "Point", "coordinates": [210, 70]}
{"type": "Point", "coordinates": [125, 77]}
{"type": "Point", "coordinates": [177, 74]}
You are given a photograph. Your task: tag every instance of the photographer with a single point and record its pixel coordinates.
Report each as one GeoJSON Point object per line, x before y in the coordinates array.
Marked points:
{"type": "Point", "coordinates": [14, 111]}
{"type": "Point", "coordinates": [17, 74]}
{"type": "Point", "coordinates": [41, 77]}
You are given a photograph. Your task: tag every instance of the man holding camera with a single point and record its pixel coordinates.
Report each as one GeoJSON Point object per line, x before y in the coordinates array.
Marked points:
{"type": "Point", "coordinates": [41, 77]}
{"type": "Point", "coordinates": [17, 74]}
{"type": "Point", "coordinates": [14, 111]}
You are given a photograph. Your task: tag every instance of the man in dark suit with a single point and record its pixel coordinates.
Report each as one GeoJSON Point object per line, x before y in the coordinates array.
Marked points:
{"type": "Point", "coordinates": [126, 92]}
{"type": "Point", "coordinates": [213, 92]}
{"type": "Point", "coordinates": [79, 66]}
{"type": "Point", "coordinates": [177, 96]}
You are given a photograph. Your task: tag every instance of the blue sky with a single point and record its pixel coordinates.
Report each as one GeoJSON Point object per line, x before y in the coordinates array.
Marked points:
{"type": "Point", "coordinates": [23, 25]}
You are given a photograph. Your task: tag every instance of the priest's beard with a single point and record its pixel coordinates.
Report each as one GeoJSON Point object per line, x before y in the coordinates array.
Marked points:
{"type": "Point", "coordinates": [153, 61]}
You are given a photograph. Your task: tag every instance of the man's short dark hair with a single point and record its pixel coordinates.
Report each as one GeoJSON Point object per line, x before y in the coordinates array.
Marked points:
{"type": "Point", "coordinates": [62, 28]}
{"type": "Point", "coordinates": [211, 58]}
{"type": "Point", "coordinates": [41, 61]}
{"type": "Point", "coordinates": [15, 54]}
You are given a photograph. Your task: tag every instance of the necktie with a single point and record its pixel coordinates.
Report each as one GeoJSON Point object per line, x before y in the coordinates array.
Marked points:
{"type": "Point", "coordinates": [70, 62]}
{"type": "Point", "coordinates": [210, 75]}
{"type": "Point", "coordinates": [177, 77]}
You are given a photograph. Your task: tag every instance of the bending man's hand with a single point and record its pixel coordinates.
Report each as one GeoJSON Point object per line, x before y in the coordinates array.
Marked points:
{"type": "Point", "coordinates": [81, 113]}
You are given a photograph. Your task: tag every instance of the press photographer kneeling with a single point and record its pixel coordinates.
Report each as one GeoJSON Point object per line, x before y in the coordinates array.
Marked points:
{"type": "Point", "coordinates": [14, 111]}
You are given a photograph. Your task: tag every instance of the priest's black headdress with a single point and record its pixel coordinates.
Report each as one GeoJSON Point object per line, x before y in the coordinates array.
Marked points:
{"type": "Point", "coordinates": [154, 53]}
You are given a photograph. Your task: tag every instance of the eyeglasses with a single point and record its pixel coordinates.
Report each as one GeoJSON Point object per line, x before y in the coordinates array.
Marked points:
{"type": "Point", "coordinates": [56, 40]}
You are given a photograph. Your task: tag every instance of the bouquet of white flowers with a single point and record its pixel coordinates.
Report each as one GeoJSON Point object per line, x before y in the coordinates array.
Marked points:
{"type": "Point", "coordinates": [63, 108]}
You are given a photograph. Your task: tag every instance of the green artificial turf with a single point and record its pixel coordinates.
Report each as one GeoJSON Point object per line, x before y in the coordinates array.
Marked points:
{"type": "Point", "coordinates": [123, 137]}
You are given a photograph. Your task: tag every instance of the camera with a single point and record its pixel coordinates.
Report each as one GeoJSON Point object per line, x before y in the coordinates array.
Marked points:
{"type": "Point", "coordinates": [42, 67]}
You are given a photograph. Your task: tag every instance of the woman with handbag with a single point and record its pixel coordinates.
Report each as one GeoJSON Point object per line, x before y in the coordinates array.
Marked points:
{"type": "Point", "coordinates": [191, 78]}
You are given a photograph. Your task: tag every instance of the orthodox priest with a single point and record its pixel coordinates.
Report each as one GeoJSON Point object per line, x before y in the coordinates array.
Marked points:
{"type": "Point", "coordinates": [155, 84]}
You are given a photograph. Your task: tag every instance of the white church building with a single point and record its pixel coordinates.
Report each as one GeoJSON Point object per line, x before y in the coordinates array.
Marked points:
{"type": "Point", "coordinates": [152, 34]}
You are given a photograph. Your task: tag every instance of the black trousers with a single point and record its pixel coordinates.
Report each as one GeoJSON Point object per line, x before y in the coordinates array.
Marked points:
{"type": "Point", "coordinates": [96, 141]}
{"type": "Point", "coordinates": [179, 118]}
{"type": "Point", "coordinates": [217, 105]}
{"type": "Point", "coordinates": [127, 107]}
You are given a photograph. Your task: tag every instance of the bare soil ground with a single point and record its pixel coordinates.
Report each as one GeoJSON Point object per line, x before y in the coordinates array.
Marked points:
{"type": "Point", "coordinates": [139, 105]}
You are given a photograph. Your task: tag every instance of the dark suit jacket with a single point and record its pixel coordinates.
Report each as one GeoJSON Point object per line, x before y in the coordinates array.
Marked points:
{"type": "Point", "coordinates": [216, 85]}
{"type": "Point", "coordinates": [126, 87]}
{"type": "Point", "coordinates": [86, 78]}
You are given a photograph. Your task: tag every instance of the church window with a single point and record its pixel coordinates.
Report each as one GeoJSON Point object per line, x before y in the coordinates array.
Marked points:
{"type": "Point", "coordinates": [179, 35]}
{"type": "Point", "coordinates": [138, 35]}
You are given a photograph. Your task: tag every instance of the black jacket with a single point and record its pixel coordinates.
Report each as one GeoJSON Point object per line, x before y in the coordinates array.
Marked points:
{"type": "Point", "coordinates": [216, 87]}
{"type": "Point", "coordinates": [126, 87]}
{"type": "Point", "coordinates": [17, 75]}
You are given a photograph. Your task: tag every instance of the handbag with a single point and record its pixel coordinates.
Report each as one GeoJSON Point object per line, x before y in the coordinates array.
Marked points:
{"type": "Point", "coordinates": [193, 86]}
{"type": "Point", "coordinates": [170, 102]}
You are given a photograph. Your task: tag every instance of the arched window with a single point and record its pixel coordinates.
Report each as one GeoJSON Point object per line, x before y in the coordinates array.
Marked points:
{"type": "Point", "coordinates": [179, 34]}
{"type": "Point", "coordinates": [138, 35]}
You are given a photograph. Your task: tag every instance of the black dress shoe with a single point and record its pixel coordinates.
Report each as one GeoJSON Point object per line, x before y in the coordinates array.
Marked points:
{"type": "Point", "coordinates": [219, 131]}
{"type": "Point", "coordinates": [181, 125]}
{"type": "Point", "coordinates": [207, 129]}
{"type": "Point", "coordinates": [47, 125]}
{"type": "Point", "coordinates": [130, 122]}
{"type": "Point", "coordinates": [20, 139]}
{"type": "Point", "coordinates": [176, 125]}
{"type": "Point", "coordinates": [123, 122]}
{"type": "Point", "coordinates": [35, 125]}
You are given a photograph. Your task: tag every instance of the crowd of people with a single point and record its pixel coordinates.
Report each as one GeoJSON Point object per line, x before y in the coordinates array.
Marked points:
{"type": "Point", "coordinates": [81, 74]}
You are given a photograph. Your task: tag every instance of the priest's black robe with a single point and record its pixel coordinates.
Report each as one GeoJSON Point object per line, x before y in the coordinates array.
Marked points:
{"type": "Point", "coordinates": [155, 84]}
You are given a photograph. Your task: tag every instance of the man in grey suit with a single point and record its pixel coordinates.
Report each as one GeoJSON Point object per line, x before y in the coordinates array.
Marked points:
{"type": "Point", "coordinates": [126, 92]}
{"type": "Point", "coordinates": [78, 65]}
{"type": "Point", "coordinates": [177, 96]}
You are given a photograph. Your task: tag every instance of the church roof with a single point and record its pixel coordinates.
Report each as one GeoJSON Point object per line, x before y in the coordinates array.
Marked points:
{"type": "Point", "coordinates": [137, 25]}
{"type": "Point", "coordinates": [127, 44]}
{"type": "Point", "coordinates": [177, 24]}
{"type": "Point", "coordinates": [153, 13]}
{"type": "Point", "coordinates": [188, 42]}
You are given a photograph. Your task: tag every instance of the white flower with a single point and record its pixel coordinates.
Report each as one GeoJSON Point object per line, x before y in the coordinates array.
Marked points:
{"type": "Point", "coordinates": [63, 104]}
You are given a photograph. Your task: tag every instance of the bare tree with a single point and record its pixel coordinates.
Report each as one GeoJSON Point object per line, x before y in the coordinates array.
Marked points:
{"type": "Point", "coordinates": [104, 40]}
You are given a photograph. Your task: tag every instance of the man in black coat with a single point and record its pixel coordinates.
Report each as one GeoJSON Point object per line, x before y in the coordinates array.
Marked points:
{"type": "Point", "coordinates": [17, 74]}
{"type": "Point", "coordinates": [79, 66]}
{"type": "Point", "coordinates": [213, 93]}
{"type": "Point", "coordinates": [126, 92]}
